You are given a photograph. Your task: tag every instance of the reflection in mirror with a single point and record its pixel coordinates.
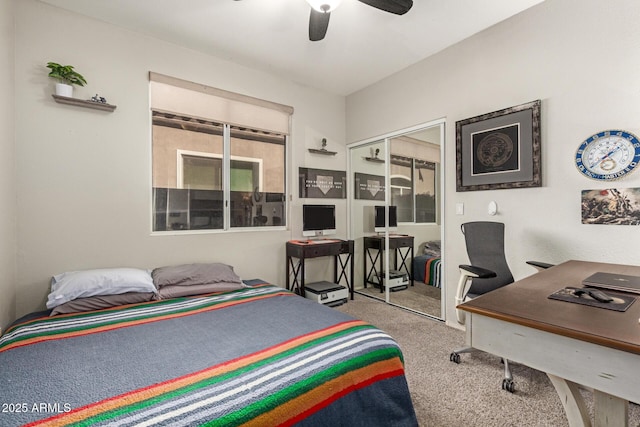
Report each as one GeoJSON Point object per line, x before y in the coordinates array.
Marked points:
{"type": "Point", "coordinates": [413, 220]}
{"type": "Point", "coordinates": [414, 182]}
{"type": "Point", "coordinates": [367, 168]}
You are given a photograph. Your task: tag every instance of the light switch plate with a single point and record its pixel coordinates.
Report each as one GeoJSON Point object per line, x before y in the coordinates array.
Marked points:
{"type": "Point", "coordinates": [459, 208]}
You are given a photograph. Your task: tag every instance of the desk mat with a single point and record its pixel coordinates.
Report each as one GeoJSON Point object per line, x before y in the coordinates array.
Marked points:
{"type": "Point", "coordinates": [620, 301]}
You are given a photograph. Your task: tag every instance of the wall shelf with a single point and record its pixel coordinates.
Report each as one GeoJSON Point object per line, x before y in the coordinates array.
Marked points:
{"type": "Point", "coordinates": [322, 151]}
{"type": "Point", "coordinates": [82, 103]}
{"type": "Point", "coordinates": [374, 159]}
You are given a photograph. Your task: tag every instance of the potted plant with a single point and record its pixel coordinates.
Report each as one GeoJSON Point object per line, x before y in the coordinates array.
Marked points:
{"type": "Point", "coordinates": [67, 76]}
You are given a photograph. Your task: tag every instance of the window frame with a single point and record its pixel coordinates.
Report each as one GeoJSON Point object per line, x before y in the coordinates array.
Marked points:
{"type": "Point", "coordinates": [180, 153]}
{"type": "Point", "coordinates": [266, 108]}
{"type": "Point", "coordinates": [414, 173]}
{"type": "Point", "coordinates": [227, 158]}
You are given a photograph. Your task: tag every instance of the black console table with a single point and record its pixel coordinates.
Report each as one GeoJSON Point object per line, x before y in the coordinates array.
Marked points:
{"type": "Point", "coordinates": [402, 246]}
{"type": "Point", "coordinates": [341, 250]}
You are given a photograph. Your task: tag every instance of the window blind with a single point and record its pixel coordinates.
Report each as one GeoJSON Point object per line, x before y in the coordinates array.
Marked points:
{"type": "Point", "coordinates": [170, 94]}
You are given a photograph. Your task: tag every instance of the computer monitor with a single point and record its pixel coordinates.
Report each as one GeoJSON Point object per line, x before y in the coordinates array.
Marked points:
{"type": "Point", "coordinates": [318, 220]}
{"type": "Point", "coordinates": [379, 224]}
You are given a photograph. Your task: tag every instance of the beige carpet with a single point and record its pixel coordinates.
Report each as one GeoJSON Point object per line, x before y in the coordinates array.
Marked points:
{"type": "Point", "coordinates": [469, 394]}
{"type": "Point", "coordinates": [419, 297]}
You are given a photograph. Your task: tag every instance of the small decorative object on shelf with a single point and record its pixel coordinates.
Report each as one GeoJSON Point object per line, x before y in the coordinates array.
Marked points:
{"type": "Point", "coordinates": [374, 157]}
{"type": "Point", "coordinates": [67, 77]}
{"type": "Point", "coordinates": [323, 150]}
{"type": "Point", "coordinates": [99, 99]}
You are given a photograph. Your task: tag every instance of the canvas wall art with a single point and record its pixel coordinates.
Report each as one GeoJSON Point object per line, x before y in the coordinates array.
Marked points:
{"type": "Point", "coordinates": [369, 187]}
{"type": "Point", "coordinates": [619, 206]}
{"type": "Point", "coordinates": [322, 184]}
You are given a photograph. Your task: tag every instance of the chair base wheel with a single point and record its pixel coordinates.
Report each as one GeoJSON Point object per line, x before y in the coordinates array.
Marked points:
{"type": "Point", "coordinates": [508, 385]}
{"type": "Point", "coordinates": [454, 357]}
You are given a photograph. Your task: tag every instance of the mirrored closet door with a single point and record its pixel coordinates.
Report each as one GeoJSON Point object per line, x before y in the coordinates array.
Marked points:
{"type": "Point", "coordinates": [395, 210]}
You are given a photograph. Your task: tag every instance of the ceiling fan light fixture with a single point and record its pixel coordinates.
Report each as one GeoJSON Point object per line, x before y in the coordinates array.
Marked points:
{"type": "Point", "coordinates": [326, 6]}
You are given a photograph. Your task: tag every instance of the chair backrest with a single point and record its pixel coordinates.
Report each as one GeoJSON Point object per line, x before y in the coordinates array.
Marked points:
{"type": "Point", "coordinates": [485, 248]}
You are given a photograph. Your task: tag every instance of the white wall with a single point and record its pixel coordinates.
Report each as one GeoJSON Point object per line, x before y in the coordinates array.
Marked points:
{"type": "Point", "coordinates": [84, 176]}
{"type": "Point", "coordinates": [581, 58]}
{"type": "Point", "coordinates": [7, 170]}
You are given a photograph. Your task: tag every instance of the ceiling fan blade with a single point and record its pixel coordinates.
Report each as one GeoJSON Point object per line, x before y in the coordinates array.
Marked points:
{"type": "Point", "coordinates": [399, 7]}
{"type": "Point", "coordinates": [318, 24]}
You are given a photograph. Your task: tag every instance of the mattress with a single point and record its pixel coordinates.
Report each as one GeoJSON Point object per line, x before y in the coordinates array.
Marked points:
{"type": "Point", "coordinates": [259, 356]}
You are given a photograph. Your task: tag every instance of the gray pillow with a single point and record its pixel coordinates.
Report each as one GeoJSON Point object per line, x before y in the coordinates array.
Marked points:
{"type": "Point", "coordinates": [432, 248]}
{"type": "Point", "coordinates": [175, 291]}
{"type": "Point", "coordinates": [102, 301]}
{"type": "Point", "coordinates": [195, 274]}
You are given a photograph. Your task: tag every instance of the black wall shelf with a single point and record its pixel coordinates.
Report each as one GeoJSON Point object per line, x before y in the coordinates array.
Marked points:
{"type": "Point", "coordinates": [374, 159]}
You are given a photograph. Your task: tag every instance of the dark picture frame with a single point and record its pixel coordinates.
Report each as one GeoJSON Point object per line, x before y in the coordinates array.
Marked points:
{"type": "Point", "coordinates": [499, 150]}
{"type": "Point", "coordinates": [369, 187]}
{"type": "Point", "coordinates": [322, 184]}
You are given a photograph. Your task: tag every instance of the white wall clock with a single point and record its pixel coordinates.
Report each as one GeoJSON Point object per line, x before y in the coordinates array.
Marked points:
{"type": "Point", "coordinates": [608, 155]}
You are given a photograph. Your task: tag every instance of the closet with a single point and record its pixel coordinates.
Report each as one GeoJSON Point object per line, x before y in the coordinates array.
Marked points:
{"type": "Point", "coordinates": [395, 210]}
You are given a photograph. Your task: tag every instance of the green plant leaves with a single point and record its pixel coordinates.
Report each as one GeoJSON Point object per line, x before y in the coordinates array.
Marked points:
{"type": "Point", "coordinates": [66, 74]}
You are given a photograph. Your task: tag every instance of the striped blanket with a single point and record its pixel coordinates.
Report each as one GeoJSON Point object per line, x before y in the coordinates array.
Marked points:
{"type": "Point", "coordinates": [432, 272]}
{"type": "Point", "coordinates": [260, 356]}
{"type": "Point", "coordinates": [428, 269]}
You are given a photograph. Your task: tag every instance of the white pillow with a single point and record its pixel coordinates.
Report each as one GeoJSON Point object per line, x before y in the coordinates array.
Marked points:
{"type": "Point", "coordinates": [68, 286]}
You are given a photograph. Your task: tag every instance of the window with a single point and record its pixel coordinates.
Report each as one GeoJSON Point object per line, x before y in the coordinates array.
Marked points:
{"type": "Point", "coordinates": [209, 171]}
{"type": "Point", "coordinates": [425, 191]}
{"type": "Point", "coordinates": [413, 184]}
{"type": "Point", "coordinates": [199, 171]}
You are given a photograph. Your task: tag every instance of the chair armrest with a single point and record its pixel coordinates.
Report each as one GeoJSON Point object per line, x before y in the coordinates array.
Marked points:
{"type": "Point", "coordinates": [540, 265]}
{"type": "Point", "coordinates": [467, 272]}
{"type": "Point", "coordinates": [479, 272]}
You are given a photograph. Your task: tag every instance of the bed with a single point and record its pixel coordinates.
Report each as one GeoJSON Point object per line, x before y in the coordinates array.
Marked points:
{"type": "Point", "coordinates": [254, 355]}
{"type": "Point", "coordinates": [427, 268]}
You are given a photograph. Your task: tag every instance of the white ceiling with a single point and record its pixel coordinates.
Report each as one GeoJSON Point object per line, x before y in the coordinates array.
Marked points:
{"type": "Point", "coordinates": [363, 45]}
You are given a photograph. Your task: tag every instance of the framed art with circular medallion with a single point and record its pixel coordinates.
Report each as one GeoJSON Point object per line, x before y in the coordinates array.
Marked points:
{"type": "Point", "coordinates": [608, 155]}
{"type": "Point", "coordinates": [500, 150]}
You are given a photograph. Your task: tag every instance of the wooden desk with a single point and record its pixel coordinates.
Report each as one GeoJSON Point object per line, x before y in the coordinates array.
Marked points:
{"type": "Point", "coordinates": [301, 250]}
{"type": "Point", "coordinates": [574, 344]}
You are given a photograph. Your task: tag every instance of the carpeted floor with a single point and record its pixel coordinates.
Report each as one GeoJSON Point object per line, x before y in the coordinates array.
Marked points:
{"type": "Point", "coordinates": [419, 297]}
{"type": "Point", "coordinates": [469, 394]}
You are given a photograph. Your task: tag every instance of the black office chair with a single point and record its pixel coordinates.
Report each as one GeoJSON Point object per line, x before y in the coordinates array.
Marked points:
{"type": "Point", "coordinates": [488, 271]}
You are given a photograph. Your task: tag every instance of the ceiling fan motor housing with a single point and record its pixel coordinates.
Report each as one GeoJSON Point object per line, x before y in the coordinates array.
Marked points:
{"type": "Point", "coordinates": [325, 6]}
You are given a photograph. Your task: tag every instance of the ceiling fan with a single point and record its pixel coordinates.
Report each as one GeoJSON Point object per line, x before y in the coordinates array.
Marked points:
{"type": "Point", "coordinates": [321, 10]}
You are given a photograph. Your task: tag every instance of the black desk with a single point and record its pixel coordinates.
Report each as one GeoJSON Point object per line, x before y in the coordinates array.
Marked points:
{"type": "Point", "coordinates": [302, 250]}
{"type": "Point", "coordinates": [401, 244]}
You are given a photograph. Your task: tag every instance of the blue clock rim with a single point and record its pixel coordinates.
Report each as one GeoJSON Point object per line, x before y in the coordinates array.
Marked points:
{"type": "Point", "coordinates": [608, 177]}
